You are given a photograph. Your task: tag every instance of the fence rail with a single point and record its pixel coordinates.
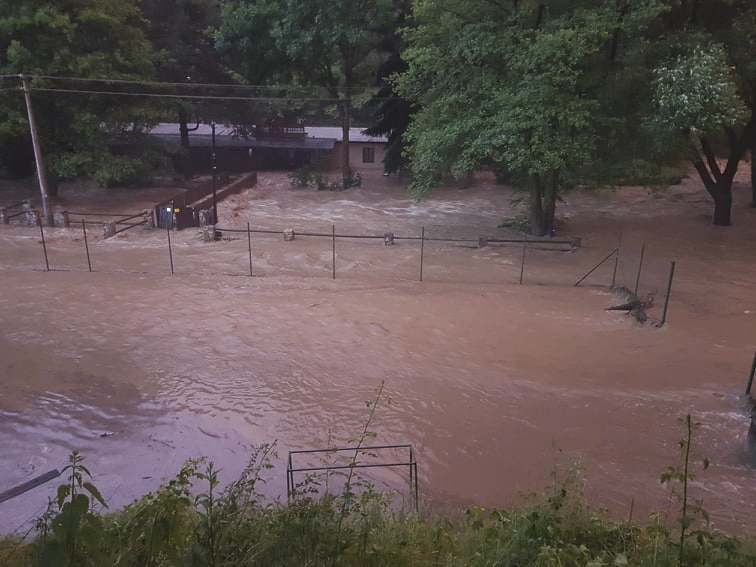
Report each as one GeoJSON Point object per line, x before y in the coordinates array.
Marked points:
{"type": "Point", "coordinates": [631, 277]}
{"type": "Point", "coordinates": [411, 463]}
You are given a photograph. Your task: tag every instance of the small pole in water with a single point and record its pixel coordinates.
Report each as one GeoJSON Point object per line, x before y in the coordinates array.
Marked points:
{"type": "Point", "coordinates": [616, 260]}
{"type": "Point", "coordinates": [249, 244]}
{"type": "Point", "coordinates": [44, 247]}
{"type": "Point", "coordinates": [750, 379]}
{"type": "Point", "coordinates": [522, 263]}
{"type": "Point", "coordinates": [333, 251]}
{"type": "Point", "coordinates": [170, 249]}
{"type": "Point", "coordinates": [422, 250]}
{"type": "Point", "coordinates": [640, 267]}
{"type": "Point", "coordinates": [86, 243]}
{"type": "Point", "coordinates": [669, 292]}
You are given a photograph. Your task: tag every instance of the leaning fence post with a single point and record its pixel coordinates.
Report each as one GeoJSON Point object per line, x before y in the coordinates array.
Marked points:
{"type": "Point", "coordinates": [669, 292]}
{"type": "Point", "coordinates": [249, 245]}
{"type": "Point", "coordinates": [170, 249]}
{"type": "Point", "coordinates": [44, 247]}
{"type": "Point", "coordinates": [616, 260]}
{"type": "Point", "coordinates": [640, 267]}
{"type": "Point", "coordinates": [522, 262]}
{"type": "Point", "coordinates": [750, 379]}
{"type": "Point", "coordinates": [86, 242]}
{"type": "Point", "coordinates": [596, 267]}
{"type": "Point", "coordinates": [422, 250]}
{"type": "Point", "coordinates": [333, 251]}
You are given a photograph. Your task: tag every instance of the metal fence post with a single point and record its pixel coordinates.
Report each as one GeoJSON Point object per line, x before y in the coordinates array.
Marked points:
{"type": "Point", "coordinates": [249, 245]}
{"type": "Point", "coordinates": [333, 251]}
{"type": "Point", "coordinates": [669, 292]}
{"type": "Point", "coordinates": [640, 267]}
{"type": "Point", "coordinates": [170, 249]}
{"type": "Point", "coordinates": [422, 251]}
{"type": "Point", "coordinates": [44, 247]}
{"type": "Point", "coordinates": [616, 261]}
{"type": "Point", "coordinates": [86, 243]}
{"type": "Point", "coordinates": [522, 262]}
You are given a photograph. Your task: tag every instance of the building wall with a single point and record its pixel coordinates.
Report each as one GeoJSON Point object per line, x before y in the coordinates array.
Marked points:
{"type": "Point", "coordinates": [356, 156]}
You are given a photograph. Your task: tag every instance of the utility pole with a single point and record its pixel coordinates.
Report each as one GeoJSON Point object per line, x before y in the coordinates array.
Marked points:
{"type": "Point", "coordinates": [215, 172]}
{"type": "Point", "coordinates": [39, 162]}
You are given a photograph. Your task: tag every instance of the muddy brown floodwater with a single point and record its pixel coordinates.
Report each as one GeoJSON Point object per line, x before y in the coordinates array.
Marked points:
{"type": "Point", "coordinates": [493, 383]}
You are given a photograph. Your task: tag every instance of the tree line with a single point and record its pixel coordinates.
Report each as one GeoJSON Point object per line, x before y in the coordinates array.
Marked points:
{"type": "Point", "coordinates": [549, 94]}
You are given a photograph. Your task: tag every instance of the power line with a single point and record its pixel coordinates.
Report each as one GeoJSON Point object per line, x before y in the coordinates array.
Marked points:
{"type": "Point", "coordinates": [187, 96]}
{"type": "Point", "coordinates": [199, 97]}
{"type": "Point", "coordinates": [187, 85]}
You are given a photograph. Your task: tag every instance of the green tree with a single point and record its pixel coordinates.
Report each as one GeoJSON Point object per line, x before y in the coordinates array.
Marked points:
{"type": "Point", "coordinates": [332, 44]}
{"type": "Point", "coordinates": [704, 76]}
{"type": "Point", "coordinates": [516, 86]}
{"type": "Point", "coordinates": [181, 32]}
{"type": "Point", "coordinates": [79, 38]}
{"type": "Point", "coordinates": [696, 96]}
{"type": "Point", "coordinates": [392, 112]}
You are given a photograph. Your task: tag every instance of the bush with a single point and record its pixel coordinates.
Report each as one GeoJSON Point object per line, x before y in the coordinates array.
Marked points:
{"type": "Point", "coordinates": [191, 521]}
{"type": "Point", "coordinates": [302, 177]}
{"type": "Point", "coordinates": [306, 177]}
{"type": "Point", "coordinates": [107, 169]}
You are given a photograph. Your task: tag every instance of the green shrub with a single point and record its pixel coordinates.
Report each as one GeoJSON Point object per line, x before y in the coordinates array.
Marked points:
{"type": "Point", "coordinates": [302, 177]}
{"type": "Point", "coordinates": [190, 521]}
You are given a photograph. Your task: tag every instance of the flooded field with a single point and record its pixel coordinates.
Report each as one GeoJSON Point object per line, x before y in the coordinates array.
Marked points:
{"type": "Point", "coordinates": [494, 383]}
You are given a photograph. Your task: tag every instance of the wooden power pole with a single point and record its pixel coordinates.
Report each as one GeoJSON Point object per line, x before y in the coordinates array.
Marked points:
{"type": "Point", "coordinates": [41, 173]}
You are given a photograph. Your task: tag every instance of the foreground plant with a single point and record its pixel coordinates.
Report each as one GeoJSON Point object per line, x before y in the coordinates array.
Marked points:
{"type": "Point", "coordinates": [192, 521]}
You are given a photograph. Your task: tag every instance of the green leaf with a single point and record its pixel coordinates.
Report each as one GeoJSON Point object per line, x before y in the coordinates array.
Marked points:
{"type": "Point", "coordinates": [93, 490]}
{"type": "Point", "coordinates": [63, 491]}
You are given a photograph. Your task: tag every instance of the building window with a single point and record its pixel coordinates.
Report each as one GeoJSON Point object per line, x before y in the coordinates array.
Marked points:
{"type": "Point", "coordinates": [368, 155]}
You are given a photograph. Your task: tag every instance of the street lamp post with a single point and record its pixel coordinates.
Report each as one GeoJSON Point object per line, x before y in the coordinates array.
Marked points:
{"type": "Point", "coordinates": [215, 173]}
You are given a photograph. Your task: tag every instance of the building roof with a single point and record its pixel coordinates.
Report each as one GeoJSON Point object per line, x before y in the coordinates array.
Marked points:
{"type": "Point", "coordinates": [229, 141]}
{"type": "Point", "coordinates": [332, 133]}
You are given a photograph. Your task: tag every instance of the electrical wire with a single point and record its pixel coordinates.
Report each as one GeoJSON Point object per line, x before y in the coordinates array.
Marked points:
{"type": "Point", "coordinates": [198, 97]}
{"type": "Point", "coordinates": [175, 84]}
{"type": "Point", "coordinates": [148, 83]}
{"type": "Point", "coordinates": [186, 96]}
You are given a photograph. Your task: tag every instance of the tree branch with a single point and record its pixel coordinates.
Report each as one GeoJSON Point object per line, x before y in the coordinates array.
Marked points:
{"type": "Point", "coordinates": [711, 159]}
{"type": "Point", "coordinates": [738, 147]}
{"type": "Point", "coordinates": [708, 181]}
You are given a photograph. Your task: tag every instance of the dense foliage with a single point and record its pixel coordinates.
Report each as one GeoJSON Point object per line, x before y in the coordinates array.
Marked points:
{"type": "Point", "coordinates": [190, 520]}
{"type": "Point", "coordinates": [516, 87]}
{"type": "Point", "coordinates": [329, 45]}
{"type": "Point", "coordinates": [73, 38]}
{"type": "Point", "coordinates": [548, 94]}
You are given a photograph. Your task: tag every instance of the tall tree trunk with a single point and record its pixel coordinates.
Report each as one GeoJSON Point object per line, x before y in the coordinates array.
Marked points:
{"type": "Point", "coordinates": [718, 183]}
{"type": "Point", "coordinates": [542, 206]}
{"type": "Point", "coordinates": [549, 203]}
{"type": "Point", "coordinates": [723, 204]}
{"type": "Point", "coordinates": [535, 220]}
{"type": "Point", "coordinates": [183, 118]}
{"type": "Point", "coordinates": [346, 167]}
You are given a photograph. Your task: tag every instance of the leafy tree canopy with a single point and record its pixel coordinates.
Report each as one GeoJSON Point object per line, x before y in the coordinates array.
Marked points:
{"type": "Point", "coordinates": [74, 38]}
{"type": "Point", "coordinates": [516, 86]}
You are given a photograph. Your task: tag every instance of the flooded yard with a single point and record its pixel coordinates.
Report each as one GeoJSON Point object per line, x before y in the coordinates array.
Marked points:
{"type": "Point", "coordinates": [495, 384]}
